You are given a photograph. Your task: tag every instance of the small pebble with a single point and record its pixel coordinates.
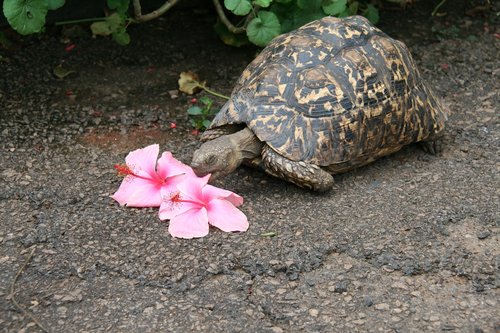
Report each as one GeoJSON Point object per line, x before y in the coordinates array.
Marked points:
{"type": "Point", "coordinates": [483, 234]}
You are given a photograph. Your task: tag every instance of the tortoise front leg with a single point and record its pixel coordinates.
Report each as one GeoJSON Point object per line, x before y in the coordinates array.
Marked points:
{"type": "Point", "coordinates": [433, 147]}
{"type": "Point", "coordinates": [300, 173]}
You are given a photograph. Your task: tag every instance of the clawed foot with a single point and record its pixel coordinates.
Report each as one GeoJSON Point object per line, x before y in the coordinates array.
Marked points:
{"type": "Point", "coordinates": [434, 147]}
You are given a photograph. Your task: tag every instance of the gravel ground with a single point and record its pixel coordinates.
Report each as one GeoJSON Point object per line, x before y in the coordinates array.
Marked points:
{"type": "Point", "coordinates": [407, 244]}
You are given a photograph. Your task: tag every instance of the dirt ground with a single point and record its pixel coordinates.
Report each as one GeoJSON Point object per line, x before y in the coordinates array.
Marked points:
{"type": "Point", "coordinates": [407, 244]}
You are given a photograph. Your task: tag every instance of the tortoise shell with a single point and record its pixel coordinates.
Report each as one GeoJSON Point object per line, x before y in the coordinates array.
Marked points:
{"type": "Point", "coordinates": [333, 91]}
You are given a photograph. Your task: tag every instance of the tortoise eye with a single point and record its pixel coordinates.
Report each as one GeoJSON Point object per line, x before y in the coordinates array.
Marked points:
{"type": "Point", "coordinates": [211, 159]}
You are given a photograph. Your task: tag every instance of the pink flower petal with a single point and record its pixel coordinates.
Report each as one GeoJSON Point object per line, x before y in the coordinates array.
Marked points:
{"type": "Point", "coordinates": [138, 192]}
{"type": "Point", "coordinates": [143, 161]}
{"type": "Point", "coordinates": [223, 215]}
{"type": "Point", "coordinates": [192, 188]}
{"type": "Point", "coordinates": [190, 224]}
{"type": "Point", "coordinates": [172, 205]}
{"type": "Point", "coordinates": [211, 192]}
{"type": "Point", "coordinates": [168, 166]}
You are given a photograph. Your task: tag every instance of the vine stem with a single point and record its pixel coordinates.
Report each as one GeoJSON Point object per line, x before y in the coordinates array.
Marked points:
{"type": "Point", "coordinates": [139, 17]}
{"type": "Point", "coordinates": [13, 292]}
{"type": "Point", "coordinates": [434, 12]}
{"type": "Point", "coordinates": [213, 92]}
{"type": "Point", "coordinates": [94, 19]}
{"type": "Point", "coordinates": [231, 27]}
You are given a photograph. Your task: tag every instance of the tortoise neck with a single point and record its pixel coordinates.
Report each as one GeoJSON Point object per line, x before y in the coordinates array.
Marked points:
{"type": "Point", "coordinates": [246, 143]}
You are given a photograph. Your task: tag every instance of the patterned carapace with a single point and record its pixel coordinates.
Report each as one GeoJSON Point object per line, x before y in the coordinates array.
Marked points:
{"type": "Point", "coordinates": [337, 93]}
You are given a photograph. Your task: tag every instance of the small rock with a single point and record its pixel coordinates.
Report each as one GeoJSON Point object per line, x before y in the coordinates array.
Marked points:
{"type": "Point", "coordinates": [399, 285]}
{"type": "Point", "coordinates": [73, 296]}
{"type": "Point", "coordinates": [173, 93]}
{"type": "Point", "coordinates": [148, 311]}
{"type": "Point", "coordinates": [368, 301]}
{"type": "Point", "coordinates": [277, 329]}
{"type": "Point", "coordinates": [447, 327]}
{"type": "Point", "coordinates": [313, 312]}
{"type": "Point", "coordinates": [62, 311]}
{"type": "Point", "coordinates": [483, 234]}
{"type": "Point", "coordinates": [382, 306]}
{"type": "Point", "coordinates": [341, 286]}
{"type": "Point", "coordinates": [280, 291]}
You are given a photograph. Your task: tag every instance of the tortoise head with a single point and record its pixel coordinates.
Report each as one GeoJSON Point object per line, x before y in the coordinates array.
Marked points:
{"type": "Point", "coordinates": [219, 156]}
{"type": "Point", "coordinates": [222, 155]}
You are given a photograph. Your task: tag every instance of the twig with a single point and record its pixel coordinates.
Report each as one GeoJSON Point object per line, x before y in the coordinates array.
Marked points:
{"type": "Point", "coordinates": [434, 12]}
{"type": "Point", "coordinates": [13, 292]}
{"type": "Point", "coordinates": [139, 17]}
{"type": "Point", "coordinates": [225, 20]}
{"type": "Point", "coordinates": [137, 8]}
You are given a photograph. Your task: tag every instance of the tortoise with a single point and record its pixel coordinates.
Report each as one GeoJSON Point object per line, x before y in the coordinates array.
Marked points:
{"type": "Point", "coordinates": [324, 99]}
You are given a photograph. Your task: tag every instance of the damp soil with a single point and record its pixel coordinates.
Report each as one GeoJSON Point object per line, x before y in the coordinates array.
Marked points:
{"type": "Point", "coordinates": [407, 244]}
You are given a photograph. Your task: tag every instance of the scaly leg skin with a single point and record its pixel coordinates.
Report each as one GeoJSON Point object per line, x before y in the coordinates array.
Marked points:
{"type": "Point", "coordinates": [300, 173]}
{"type": "Point", "coordinates": [433, 147]}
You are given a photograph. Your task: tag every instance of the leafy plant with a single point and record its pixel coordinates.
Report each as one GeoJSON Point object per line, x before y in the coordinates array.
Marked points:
{"type": "Point", "coordinates": [201, 113]}
{"type": "Point", "coordinates": [28, 16]}
{"type": "Point", "coordinates": [260, 20]}
{"type": "Point", "coordinates": [280, 16]}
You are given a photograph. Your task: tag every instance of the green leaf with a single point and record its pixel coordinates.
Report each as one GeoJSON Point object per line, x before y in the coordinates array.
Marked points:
{"type": "Point", "coordinates": [206, 123]}
{"type": "Point", "coordinates": [283, 1]}
{"type": "Point", "coordinates": [122, 37]}
{"type": "Point", "coordinates": [100, 28]}
{"type": "Point", "coordinates": [196, 123]}
{"type": "Point", "coordinates": [301, 17]}
{"type": "Point", "coordinates": [345, 13]}
{"type": "Point", "coordinates": [262, 3]}
{"type": "Point", "coordinates": [61, 72]}
{"type": "Point", "coordinates": [263, 28]}
{"type": "Point", "coordinates": [238, 7]}
{"type": "Point", "coordinates": [55, 4]}
{"type": "Point", "coordinates": [121, 6]}
{"type": "Point", "coordinates": [26, 16]}
{"type": "Point", "coordinates": [371, 13]}
{"type": "Point", "coordinates": [353, 8]}
{"type": "Point", "coordinates": [309, 5]}
{"type": "Point", "coordinates": [228, 37]}
{"type": "Point", "coordinates": [195, 111]}
{"type": "Point", "coordinates": [334, 7]}
{"type": "Point", "coordinates": [205, 100]}
{"type": "Point", "coordinates": [115, 22]}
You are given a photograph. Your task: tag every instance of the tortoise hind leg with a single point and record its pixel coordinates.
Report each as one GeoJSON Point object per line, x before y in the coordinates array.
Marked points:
{"type": "Point", "coordinates": [300, 173]}
{"type": "Point", "coordinates": [433, 147]}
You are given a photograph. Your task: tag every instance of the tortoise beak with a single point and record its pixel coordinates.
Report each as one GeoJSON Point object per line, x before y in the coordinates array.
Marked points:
{"type": "Point", "coordinates": [198, 169]}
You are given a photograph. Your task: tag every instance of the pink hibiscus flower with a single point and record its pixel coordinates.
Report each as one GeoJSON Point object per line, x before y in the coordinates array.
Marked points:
{"type": "Point", "coordinates": [146, 178]}
{"type": "Point", "coordinates": [196, 205]}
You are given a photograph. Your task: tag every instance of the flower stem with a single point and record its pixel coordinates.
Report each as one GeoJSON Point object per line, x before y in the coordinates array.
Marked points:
{"type": "Point", "coordinates": [213, 92]}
